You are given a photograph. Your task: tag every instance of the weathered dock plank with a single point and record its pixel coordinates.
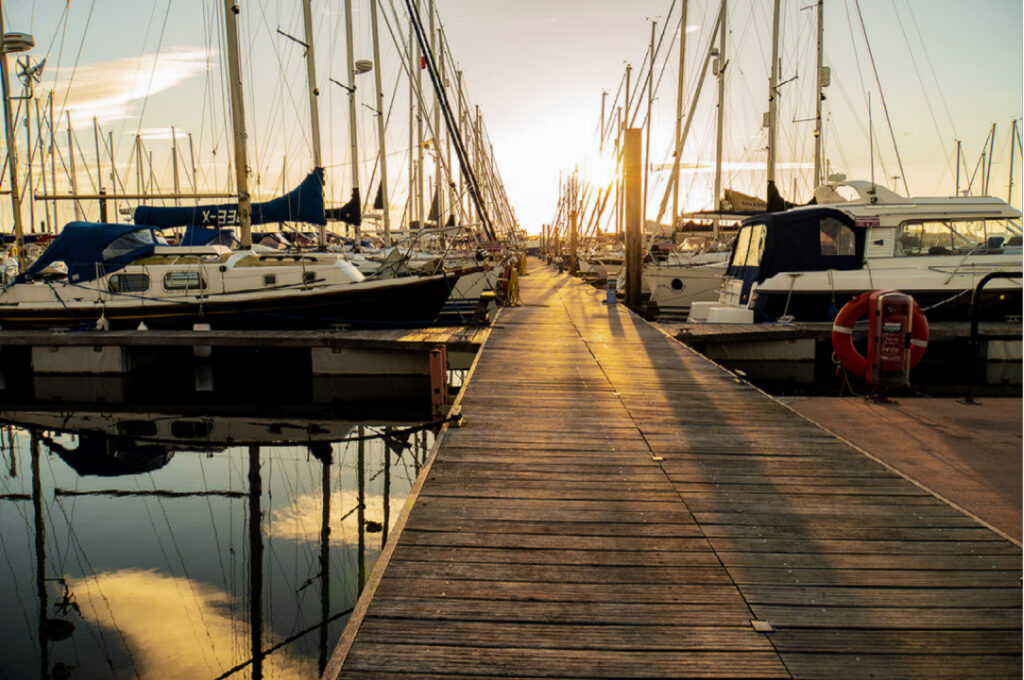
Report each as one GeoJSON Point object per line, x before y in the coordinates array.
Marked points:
{"type": "Point", "coordinates": [617, 506]}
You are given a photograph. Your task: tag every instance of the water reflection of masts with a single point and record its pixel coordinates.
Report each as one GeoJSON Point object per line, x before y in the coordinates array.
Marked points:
{"type": "Point", "coordinates": [361, 508]}
{"type": "Point", "coordinates": [255, 562]}
{"type": "Point", "coordinates": [37, 516]}
{"type": "Point", "coordinates": [325, 544]}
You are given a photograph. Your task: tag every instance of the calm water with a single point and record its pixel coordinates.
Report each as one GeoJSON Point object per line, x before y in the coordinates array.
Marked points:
{"type": "Point", "coordinates": [191, 542]}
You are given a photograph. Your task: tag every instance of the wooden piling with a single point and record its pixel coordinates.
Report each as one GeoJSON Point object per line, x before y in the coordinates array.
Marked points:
{"type": "Point", "coordinates": [633, 179]}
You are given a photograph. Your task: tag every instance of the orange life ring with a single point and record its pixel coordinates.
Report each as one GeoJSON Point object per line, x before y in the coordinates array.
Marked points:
{"type": "Point", "coordinates": [842, 336]}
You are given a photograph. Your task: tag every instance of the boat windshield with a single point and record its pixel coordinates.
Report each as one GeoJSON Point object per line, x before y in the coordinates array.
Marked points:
{"type": "Point", "coordinates": [128, 243]}
{"type": "Point", "coordinates": [749, 246]}
{"type": "Point", "coordinates": [959, 236]}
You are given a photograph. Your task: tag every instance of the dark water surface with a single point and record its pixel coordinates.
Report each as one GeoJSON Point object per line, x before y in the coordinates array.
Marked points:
{"type": "Point", "coordinates": [200, 541]}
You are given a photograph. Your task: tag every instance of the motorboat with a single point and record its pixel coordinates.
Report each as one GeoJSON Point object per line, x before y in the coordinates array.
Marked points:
{"type": "Point", "coordinates": [805, 263]}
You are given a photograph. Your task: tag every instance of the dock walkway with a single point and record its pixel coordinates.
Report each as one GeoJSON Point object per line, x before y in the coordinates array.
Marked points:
{"type": "Point", "coordinates": [617, 506]}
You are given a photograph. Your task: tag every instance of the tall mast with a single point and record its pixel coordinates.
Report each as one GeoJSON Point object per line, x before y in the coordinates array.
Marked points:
{"type": "Point", "coordinates": [174, 162]}
{"type": "Point", "coordinates": [817, 102]}
{"type": "Point", "coordinates": [721, 116]}
{"type": "Point", "coordinates": [420, 109]}
{"type": "Point", "coordinates": [314, 109]}
{"type": "Point", "coordinates": [600, 142]}
{"type": "Point", "coordinates": [71, 167]}
{"type": "Point", "coordinates": [352, 113]}
{"type": "Point", "coordinates": [452, 199]}
{"type": "Point", "coordinates": [231, 11]}
{"type": "Point", "coordinates": [773, 95]}
{"type": "Point", "coordinates": [958, 167]}
{"type": "Point", "coordinates": [679, 107]}
{"type": "Point", "coordinates": [53, 161]}
{"type": "Point", "coordinates": [380, 126]}
{"type": "Point", "coordinates": [12, 152]}
{"type": "Point", "coordinates": [48, 227]}
{"type": "Point", "coordinates": [411, 203]}
{"type": "Point", "coordinates": [1013, 140]}
{"type": "Point", "coordinates": [647, 144]}
{"type": "Point", "coordinates": [437, 126]}
{"type": "Point", "coordinates": [673, 178]}
{"type": "Point", "coordinates": [988, 169]}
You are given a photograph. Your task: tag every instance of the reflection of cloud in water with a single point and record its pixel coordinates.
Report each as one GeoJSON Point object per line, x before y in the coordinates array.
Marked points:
{"type": "Point", "coordinates": [300, 520]}
{"type": "Point", "coordinates": [177, 629]}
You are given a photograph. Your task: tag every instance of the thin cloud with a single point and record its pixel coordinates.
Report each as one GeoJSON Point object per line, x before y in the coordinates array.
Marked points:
{"type": "Point", "coordinates": [110, 91]}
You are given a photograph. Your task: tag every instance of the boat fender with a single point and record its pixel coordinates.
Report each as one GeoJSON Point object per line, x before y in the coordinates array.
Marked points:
{"type": "Point", "coordinates": [842, 335]}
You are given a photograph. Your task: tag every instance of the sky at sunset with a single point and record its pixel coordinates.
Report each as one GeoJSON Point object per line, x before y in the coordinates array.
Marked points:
{"type": "Point", "coordinates": [948, 71]}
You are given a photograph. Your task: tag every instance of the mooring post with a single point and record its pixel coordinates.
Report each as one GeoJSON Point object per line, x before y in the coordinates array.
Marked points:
{"type": "Point", "coordinates": [632, 169]}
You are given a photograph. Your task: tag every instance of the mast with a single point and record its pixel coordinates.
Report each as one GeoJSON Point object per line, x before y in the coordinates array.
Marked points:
{"type": "Point", "coordinates": [314, 109]}
{"type": "Point", "coordinates": [600, 143]}
{"type": "Point", "coordinates": [231, 11]}
{"type": "Point", "coordinates": [12, 152]}
{"type": "Point", "coordinates": [647, 144]}
{"type": "Point", "coordinates": [958, 168]}
{"type": "Point", "coordinates": [42, 165]}
{"type": "Point", "coordinates": [99, 165]}
{"type": "Point", "coordinates": [817, 102]}
{"type": "Point", "coordinates": [452, 198]}
{"type": "Point", "coordinates": [721, 115]}
{"type": "Point", "coordinates": [71, 166]}
{"type": "Point", "coordinates": [174, 162]}
{"type": "Point", "coordinates": [673, 178]}
{"type": "Point", "coordinates": [29, 182]}
{"type": "Point", "coordinates": [773, 95]}
{"type": "Point", "coordinates": [437, 125]}
{"type": "Point", "coordinates": [988, 168]}
{"type": "Point", "coordinates": [1013, 140]}
{"type": "Point", "coordinates": [410, 204]}
{"type": "Point", "coordinates": [679, 108]}
{"type": "Point", "coordinates": [53, 161]}
{"type": "Point", "coordinates": [420, 110]}
{"type": "Point", "coordinates": [380, 126]}
{"type": "Point", "coordinates": [352, 114]}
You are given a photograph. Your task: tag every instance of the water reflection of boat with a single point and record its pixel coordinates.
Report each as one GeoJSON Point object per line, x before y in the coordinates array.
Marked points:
{"type": "Point", "coordinates": [106, 430]}
{"type": "Point", "coordinates": [104, 456]}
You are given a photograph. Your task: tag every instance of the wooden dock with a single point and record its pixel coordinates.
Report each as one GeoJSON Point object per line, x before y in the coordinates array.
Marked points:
{"type": "Point", "coordinates": [617, 506]}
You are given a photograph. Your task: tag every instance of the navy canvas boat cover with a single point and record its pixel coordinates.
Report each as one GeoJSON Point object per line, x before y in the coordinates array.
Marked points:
{"type": "Point", "coordinates": [198, 236]}
{"type": "Point", "coordinates": [305, 203]}
{"type": "Point", "coordinates": [84, 245]}
{"type": "Point", "coordinates": [805, 239]}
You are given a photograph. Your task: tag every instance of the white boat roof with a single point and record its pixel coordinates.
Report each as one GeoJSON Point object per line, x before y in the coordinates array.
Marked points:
{"type": "Point", "coordinates": [873, 199]}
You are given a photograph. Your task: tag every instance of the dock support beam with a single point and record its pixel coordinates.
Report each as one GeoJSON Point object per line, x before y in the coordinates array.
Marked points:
{"type": "Point", "coordinates": [633, 180]}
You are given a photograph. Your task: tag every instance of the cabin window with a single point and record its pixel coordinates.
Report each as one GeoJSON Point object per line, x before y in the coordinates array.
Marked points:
{"type": "Point", "coordinates": [127, 243]}
{"type": "Point", "coordinates": [957, 237]}
{"type": "Point", "coordinates": [836, 238]}
{"type": "Point", "coordinates": [191, 429]}
{"type": "Point", "coordinates": [269, 279]}
{"type": "Point", "coordinates": [137, 428]}
{"type": "Point", "coordinates": [308, 277]}
{"type": "Point", "coordinates": [129, 283]}
{"type": "Point", "coordinates": [183, 281]}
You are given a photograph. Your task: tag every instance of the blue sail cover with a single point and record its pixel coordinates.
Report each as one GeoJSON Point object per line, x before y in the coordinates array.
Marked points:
{"type": "Point", "coordinates": [303, 204]}
{"type": "Point", "coordinates": [198, 236]}
{"type": "Point", "coordinates": [84, 245]}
